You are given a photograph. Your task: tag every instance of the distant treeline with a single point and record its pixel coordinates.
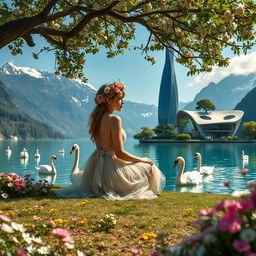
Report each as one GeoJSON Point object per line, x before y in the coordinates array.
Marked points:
{"type": "Point", "coordinates": [12, 122]}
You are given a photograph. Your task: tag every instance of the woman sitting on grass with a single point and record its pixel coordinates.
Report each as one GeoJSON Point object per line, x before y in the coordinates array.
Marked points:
{"type": "Point", "coordinates": [111, 172]}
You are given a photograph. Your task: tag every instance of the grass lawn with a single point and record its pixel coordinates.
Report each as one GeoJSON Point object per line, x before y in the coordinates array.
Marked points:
{"type": "Point", "coordinates": [172, 212]}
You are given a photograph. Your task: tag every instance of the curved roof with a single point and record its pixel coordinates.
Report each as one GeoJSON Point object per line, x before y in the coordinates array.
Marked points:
{"type": "Point", "coordinates": [212, 117]}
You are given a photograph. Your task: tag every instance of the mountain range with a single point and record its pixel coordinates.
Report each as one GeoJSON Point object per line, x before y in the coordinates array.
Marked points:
{"type": "Point", "coordinates": [227, 93]}
{"type": "Point", "coordinates": [64, 104]}
{"type": "Point", "coordinates": [14, 123]}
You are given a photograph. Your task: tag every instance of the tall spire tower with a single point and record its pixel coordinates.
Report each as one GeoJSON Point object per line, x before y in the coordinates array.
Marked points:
{"type": "Point", "coordinates": [168, 95]}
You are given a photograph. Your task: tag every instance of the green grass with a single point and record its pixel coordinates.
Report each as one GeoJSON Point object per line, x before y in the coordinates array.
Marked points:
{"type": "Point", "coordinates": [172, 212]}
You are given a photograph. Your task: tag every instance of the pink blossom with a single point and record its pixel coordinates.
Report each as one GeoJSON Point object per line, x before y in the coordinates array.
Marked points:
{"type": "Point", "coordinates": [5, 218]}
{"type": "Point", "coordinates": [20, 252]}
{"type": "Point", "coordinates": [74, 218]}
{"type": "Point", "coordinates": [135, 251]}
{"type": "Point", "coordinates": [230, 205]}
{"type": "Point", "coordinates": [115, 90]}
{"type": "Point", "coordinates": [253, 197]}
{"type": "Point", "coordinates": [250, 253]}
{"type": "Point", "coordinates": [244, 171]}
{"type": "Point", "coordinates": [230, 222]}
{"type": "Point", "coordinates": [246, 205]}
{"type": "Point", "coordinates": [250, 184]}
{"type": "Point", "coordinates": [154, 254]}
{"type": "Point", "coordinates": [68, 239]}
{"type": "Point", "coordinates": [206, 212]}
{"type": "Point", "coordinates": [53, 224]}
{"type": "Point", "coordinates": [226, 183]}
{"type": "Point", "coordinates": [39, 207]}
{"type": "Point", "coordinates": [119, 85]}
{"type": "Point", "coordinates": [61, 232]}
{"type": "Point", "coordinates": [27, 176]}
{"type": "Point", "coordinates": [241, 246]}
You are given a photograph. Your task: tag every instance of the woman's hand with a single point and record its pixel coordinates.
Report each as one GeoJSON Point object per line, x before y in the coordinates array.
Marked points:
{"type": "Point", "coordinates": [147, 161]}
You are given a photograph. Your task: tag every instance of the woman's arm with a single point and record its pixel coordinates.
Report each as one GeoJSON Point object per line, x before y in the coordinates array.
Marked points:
{"type": "Point", "coordinates": [116, 133]}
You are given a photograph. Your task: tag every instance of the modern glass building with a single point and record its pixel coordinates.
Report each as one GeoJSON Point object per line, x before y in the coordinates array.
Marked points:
{"type": "Point", "coordinates": [209, 125]}
{"type": "Point", "coordinates": [168, 95]}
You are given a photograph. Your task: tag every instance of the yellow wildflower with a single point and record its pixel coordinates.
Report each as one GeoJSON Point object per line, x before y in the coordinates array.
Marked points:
{"type": "Point", "coordinates": [189, 210]}
{"type": "Point", "coordinates": [84, 202]}
{"type": "Point", "coordinates": [53, 210]}
{"type": "Point", "coordinates": [147, 236]}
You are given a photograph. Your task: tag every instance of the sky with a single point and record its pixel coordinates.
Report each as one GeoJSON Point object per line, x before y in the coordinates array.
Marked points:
{"type": "Point", "coordinates": [142, 79]}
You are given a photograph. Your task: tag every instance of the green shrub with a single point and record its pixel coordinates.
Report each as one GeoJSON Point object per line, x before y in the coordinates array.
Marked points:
{"type": "Point", "coordinates": [232, 137]}
{"type": "Point", "coordinates": [183, 136]}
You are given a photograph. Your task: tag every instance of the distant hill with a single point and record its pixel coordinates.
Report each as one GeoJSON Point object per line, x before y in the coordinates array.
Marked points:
{"type": "Point", "coordinates": [12, 122]}
{"type": "Point", "coordinates": [248, 105]}
{"type": "Point", "coordinates": [65, 104]}
{"type": "Point", "coordinates": [227, 93]}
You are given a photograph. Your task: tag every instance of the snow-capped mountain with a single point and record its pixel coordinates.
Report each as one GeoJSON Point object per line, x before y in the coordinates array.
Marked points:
{"type": "Point", "coordinates": [65, 104]}
{"type": "Point", "coordinates": [227, 93]}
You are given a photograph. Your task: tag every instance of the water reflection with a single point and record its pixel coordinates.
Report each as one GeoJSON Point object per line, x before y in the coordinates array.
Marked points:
{"type": "Point", "coordinates": [193, 189]}
{"type": "Point", "coordinates": [24, 162]}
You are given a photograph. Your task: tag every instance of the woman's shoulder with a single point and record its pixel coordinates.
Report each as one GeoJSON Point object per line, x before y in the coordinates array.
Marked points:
{"type": "Point", "coordinates": [115, 120]}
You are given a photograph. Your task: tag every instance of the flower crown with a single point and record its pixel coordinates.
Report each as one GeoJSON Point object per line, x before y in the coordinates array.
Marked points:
{"type": "Point", "coordinates": [109, 92]}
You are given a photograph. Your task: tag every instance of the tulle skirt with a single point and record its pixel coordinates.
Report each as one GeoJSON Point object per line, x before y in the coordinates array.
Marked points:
{"type": "Point", "coordinates": [104, 176]}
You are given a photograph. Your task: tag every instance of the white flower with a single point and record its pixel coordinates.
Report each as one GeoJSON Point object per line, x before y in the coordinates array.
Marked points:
{"type": "Point", "coordinates": [27, 238]}
{"type": "Point", "coordinates": [31, 249]}
{"type": "Point", "coordinates": [79, 253]}
{"type": "Point", "coordinates": [232, 26]}
{"type": "Point", "coordinates": [69, 246]}
{"type": "Point", "coordinates": [15, 240]}
{"type": "Point", "coordinates": [107, 90]}
{"type": "Point", "coordinates": [248, 235]}
{"type": "Point", "coordinates": [44, 250]}
{"type": "Point", "coordinates": [226, 37]}
{"type": "Point", "coordinates": [228, 16]}
{"type": "Point", "coordinates": [7, 228]}
{"type": "Point", "coordinates": [239, 10]}
{"type": "Point", "coordinates": [209, 238]}
{"type": "Point", "coordinates": [37, 240]}
{"type": "Point", "coordinates": [5, 195]}
{"type": "Point", "coordinates": [18, 227]}
{"type": "Point", "coordinates": [10, 185]}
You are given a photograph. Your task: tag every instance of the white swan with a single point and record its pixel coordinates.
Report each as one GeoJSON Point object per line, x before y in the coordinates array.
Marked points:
{"type": "Point", "coordinates": [75, 173]}
{"type": "Point", "coordinates": [187, 178]}
{"type": "Point", "coordinates": [202, 169]}
{"type": "Point", "coordinates": [62, 151]}
{"type": "Point", "coordinates": [8, 151]}
{"type": "Point", "coordinates": [47, 169]}
{"type": "Point", "coordinates": [24, 153]}
{"type": "Point", "coordinates": [244, 157]}
{"type": "Point", "coordinates": [37, 154]}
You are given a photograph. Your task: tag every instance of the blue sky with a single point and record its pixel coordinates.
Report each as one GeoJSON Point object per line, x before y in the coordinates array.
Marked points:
{"type": "Point", "coordinates": [142, 79]}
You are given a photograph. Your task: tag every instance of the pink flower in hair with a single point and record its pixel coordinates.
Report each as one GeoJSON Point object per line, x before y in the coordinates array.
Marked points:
{"type": "Point", "coordinates": [100, 99]}
{"type": "Point", "coordinates": [119, 85]}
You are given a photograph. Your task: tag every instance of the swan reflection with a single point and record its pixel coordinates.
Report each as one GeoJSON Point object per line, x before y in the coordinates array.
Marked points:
{"type": "Point", "coordinates": [24, 162]}
{"type": "Point", "coordinates": [194, 189]}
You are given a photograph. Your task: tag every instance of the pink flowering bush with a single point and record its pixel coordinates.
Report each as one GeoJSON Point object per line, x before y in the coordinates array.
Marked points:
{"type": "Point", "coordinates": [226, 229]}
{"type": "Point", "coordinates": [12, 185]}
{"type": "Point", "coordinates": [17, 240]}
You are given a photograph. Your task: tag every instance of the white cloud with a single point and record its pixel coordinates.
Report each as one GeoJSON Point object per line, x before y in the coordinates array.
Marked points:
{"type": "Point", "coordinates": [241, 65]}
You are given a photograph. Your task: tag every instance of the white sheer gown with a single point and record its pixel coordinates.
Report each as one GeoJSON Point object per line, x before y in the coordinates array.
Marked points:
{"type": "Point", "coordinates": [106, 177]}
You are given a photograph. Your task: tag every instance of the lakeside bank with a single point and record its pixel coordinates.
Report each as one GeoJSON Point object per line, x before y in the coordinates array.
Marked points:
{"type": "Point", "coordinates": [195, 141]}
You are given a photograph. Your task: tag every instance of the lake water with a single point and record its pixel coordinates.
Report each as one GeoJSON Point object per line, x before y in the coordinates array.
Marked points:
{"type": "Point", "coordinates": [226, 157]}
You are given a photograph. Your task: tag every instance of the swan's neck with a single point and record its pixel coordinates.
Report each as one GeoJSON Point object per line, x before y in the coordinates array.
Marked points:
{"type": "Point", "coordinates": [75, 166]}
{"type": "Point", "coordinates": [53, 167]}
{"type": "Point", "coordinates": [180, 172]}
{"type": "Point", "coordinates": [242, 153]}
{"type": "Point", "coordinates": [199, 163]}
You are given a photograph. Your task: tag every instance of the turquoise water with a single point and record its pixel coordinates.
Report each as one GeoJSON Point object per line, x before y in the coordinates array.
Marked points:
{"type": "Point", "coordinates": [225, 157]}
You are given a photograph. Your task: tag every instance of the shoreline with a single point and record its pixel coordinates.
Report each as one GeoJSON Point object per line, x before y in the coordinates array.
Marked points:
{"type": "Point", "coordinates": [196, 141]}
